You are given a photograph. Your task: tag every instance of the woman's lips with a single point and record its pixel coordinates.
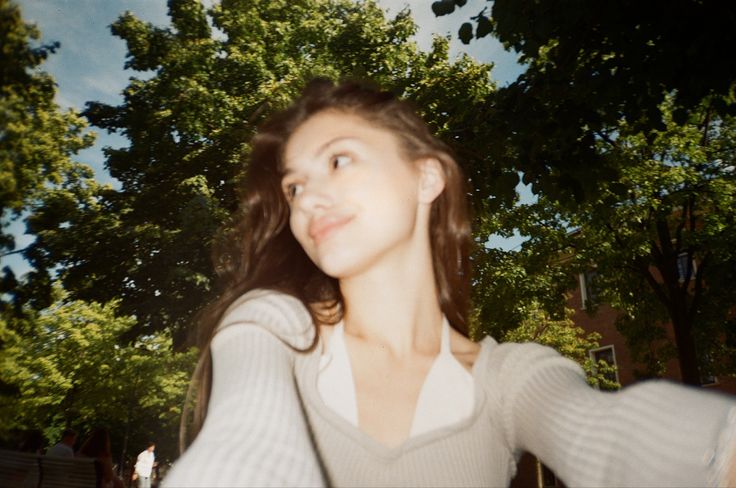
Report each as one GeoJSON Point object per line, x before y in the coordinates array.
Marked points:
{"type": "Point", "coordinates": [321, 227]}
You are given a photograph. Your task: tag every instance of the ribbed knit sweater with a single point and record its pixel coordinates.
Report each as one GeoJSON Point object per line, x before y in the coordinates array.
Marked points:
{"type": "Point", "coordinates": [267, 424]}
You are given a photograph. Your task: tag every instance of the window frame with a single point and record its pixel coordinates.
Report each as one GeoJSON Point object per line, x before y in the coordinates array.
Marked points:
{"type": "Point", "coordinates": [586, 289]}
{"type": "Point", "coordinates": [592, 355]}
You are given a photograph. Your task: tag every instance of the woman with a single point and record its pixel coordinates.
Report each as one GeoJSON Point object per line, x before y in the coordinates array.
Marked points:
{"type": "Point", "coordinates": [97, 446]}
{"type": "Point", "coordinates": [354, 220]}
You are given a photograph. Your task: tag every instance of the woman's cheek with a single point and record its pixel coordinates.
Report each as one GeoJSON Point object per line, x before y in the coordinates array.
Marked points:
{"type": "Point", "coordinates": [298, 226]}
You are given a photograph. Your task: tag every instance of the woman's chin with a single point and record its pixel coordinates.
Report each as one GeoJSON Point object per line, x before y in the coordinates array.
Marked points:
{"type": "Point", "coordinates": [338, 271]}
{"type": "Point", "coordinates": [340, 266]}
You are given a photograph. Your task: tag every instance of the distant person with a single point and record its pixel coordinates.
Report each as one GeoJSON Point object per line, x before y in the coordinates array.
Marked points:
{"type": "Point", "coordinates": [144, 466]}
{"type": "Point", "coordinates": [65, 447]}
{"type": "Point", "coordinates": [97, 446]}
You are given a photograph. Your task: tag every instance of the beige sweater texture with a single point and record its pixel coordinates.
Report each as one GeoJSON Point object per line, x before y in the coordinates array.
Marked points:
{"type": "Point", "coordinates": [267, 425]}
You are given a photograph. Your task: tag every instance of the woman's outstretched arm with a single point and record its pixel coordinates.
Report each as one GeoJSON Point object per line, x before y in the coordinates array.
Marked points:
{"type": "Point", "coordinates": [255, 433]}
{"type": "Point", "coordinates": [655, 433]}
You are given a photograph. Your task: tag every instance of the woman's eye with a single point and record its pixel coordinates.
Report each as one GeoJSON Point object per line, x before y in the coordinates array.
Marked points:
{"type": "Point", "coordinates": [292, 190]}
{"type": "Point", "coordinates": [340, 160]}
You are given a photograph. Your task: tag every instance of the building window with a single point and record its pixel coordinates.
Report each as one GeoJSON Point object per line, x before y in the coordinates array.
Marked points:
{"type": "Point", "coordinates": [607, 354]}
{"type": "Point", "coordinates": [682, 267]}
{"type": "Point", "coordinates": [588, 291]}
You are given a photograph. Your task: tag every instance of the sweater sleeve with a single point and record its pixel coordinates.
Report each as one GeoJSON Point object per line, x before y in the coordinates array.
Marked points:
{"type": "Point", "coordinates": [255, 433]}
{"type": "Point", "coordinates": [655, 433]}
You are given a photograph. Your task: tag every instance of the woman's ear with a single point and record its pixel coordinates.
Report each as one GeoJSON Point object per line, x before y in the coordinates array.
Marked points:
{"type": "Point", "coordinates": [431, 179]}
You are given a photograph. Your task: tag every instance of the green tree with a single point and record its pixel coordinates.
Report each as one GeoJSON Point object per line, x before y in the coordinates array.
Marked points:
{"type": "Point", "coordinates": [509, 285]}
{"type": "Point", "coordinates": [37, 138]}
{"type": "Point", "coordinates": [520, 294]}
{"type": "Point", "coordinates": [37, 141]}
{"type": "Point", "coordinates": [662, 252]}
{"type": "Point", "coordinates": [66, 366]}
{"type": "Point", "coordinates": [189, 119]}
{"type": "Point", "coordinates": [668, 246]}
{"type": "Point", "coordinates": [590, 64]}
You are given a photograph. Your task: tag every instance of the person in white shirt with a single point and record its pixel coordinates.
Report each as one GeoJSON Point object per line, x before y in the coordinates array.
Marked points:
{"type": "Point", "coordinates": [65, 447]}
{"type": "Point", "coordinates": [144, 466]}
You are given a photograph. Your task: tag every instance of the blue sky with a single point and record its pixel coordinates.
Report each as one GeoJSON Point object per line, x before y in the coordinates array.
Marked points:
{"type": "Point", "coordinates": [89, 64]}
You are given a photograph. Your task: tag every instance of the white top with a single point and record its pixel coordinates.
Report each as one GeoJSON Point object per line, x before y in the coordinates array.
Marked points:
{"type": "Point", "coordinates": [144, 464]}
{"type": "Point", "coordinates": [447, 395]}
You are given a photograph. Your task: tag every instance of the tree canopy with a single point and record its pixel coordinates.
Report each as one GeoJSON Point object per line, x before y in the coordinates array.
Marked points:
{"type": "Point", "coordinates": [37, 138]}
{"type": "Point", "coordinates": [666, 249]}
{"type": "Point", "coordinates": [37, 142]}
{"type": "Point", "coordinates": [589, 65]}
{"type": "Point", "coordinates": [207, 81]}
{"type": "Point", "coordinates": [66, 366]}
{"type": "Point", "coordinates": [660, 240]}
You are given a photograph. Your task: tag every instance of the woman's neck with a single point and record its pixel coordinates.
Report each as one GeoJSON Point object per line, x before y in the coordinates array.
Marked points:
{"type": "Point", "coordinates": [395, 306]}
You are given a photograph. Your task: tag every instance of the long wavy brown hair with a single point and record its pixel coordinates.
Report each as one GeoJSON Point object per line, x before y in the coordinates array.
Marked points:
{"type": "Point", "coordinates": [259, 250]}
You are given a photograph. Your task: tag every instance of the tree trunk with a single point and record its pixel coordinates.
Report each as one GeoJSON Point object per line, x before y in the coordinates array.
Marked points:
{"type": "Point", "coordinates": [686, 353]}
{"type": "Point", "coordinates": [124, 452]}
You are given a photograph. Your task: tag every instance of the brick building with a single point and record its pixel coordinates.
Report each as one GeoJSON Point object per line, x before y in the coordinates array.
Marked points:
{"type": "Point", "coordinates": [613, 345]}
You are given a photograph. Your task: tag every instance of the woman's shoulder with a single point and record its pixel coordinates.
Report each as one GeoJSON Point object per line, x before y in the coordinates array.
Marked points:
{"type": "Point", "coordinates": [282, 314]}
{"type": "Point", "coordinates": [464, 350]}
{"type": "Point", "coordinates": [265, 298]}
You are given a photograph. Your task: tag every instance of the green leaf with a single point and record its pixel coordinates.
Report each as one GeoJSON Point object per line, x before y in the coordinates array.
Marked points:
{"type": "Point", "coordinates": [443, 7]}
{"type": "Point", "coordinates": [484, 27]}
{"type": "Point", "coordinates": [465, 33]}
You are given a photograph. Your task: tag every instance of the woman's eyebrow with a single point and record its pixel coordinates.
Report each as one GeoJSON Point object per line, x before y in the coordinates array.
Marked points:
{"type": "Point", "coordinates": [320, 150]}
{"type": "Point", "coordinates": [324, 147]}
{"type": "Point", "coordinates": [286, 172]}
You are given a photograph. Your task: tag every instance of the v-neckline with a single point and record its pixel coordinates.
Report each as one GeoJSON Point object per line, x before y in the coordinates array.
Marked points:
{"type": "Point", "coordinates": [347, 406]}
{"type": "Point", "coordinates": [373, 445]}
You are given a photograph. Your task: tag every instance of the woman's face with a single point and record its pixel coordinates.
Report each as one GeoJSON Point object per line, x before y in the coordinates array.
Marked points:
{"type": "Point", "coordinates": [352, 193]}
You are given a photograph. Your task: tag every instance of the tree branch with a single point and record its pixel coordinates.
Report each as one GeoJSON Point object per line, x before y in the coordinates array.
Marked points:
{"type": "Point", "coordinates": [17, 251]}
{"type": "Point", "coordinates": [643, 268]}
{"type": "Point", "coordinates": [607, 139]}
{"type": "Point", "coordinates": [698, 289]}
{"type": "Point", "coordinates": [686, 210]}
{"type": "Point", "coordinates": [706, 125]}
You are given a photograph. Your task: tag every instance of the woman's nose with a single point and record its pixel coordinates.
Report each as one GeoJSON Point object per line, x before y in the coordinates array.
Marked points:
{"type": "Point", "coordinates": [316, 194]}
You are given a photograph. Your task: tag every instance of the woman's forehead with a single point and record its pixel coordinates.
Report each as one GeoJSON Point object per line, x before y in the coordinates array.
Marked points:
{"type": "Point", "coordinates": [329, 128]}
{"type": "Point", "coordinates": [329, 124]}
